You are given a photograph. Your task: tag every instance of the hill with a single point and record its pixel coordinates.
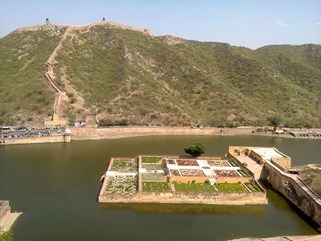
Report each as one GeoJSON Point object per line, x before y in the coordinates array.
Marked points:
{"type": "Point", "coordinates": [130, 76]}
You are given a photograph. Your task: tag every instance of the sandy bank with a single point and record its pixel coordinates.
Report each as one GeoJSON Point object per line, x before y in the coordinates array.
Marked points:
{"type": "Point", "coordinates": [89, 133]}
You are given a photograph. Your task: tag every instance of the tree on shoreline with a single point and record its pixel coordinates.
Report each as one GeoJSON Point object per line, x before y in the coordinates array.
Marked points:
{"type": "Point", "coordinates": [274, 121]}
{"type": "Point", "coordinates": [195, 150]}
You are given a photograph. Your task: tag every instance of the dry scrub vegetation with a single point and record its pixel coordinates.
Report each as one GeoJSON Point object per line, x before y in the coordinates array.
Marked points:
{"type": "Point", "coordinates": [129, 77]}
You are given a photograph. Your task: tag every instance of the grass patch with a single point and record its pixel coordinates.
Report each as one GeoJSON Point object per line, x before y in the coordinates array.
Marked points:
{"type": "Point", "coordinates": [195, 187]}
{"type": "Point", "coordinates": [150, 159]}
{"type": "Point", "coordinates": [156, 186]}
{"type": "Point", "coordinates": [230, 187]}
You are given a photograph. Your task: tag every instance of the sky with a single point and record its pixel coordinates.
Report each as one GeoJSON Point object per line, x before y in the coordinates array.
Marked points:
{"type": "Point", "coordinates": [247, 23]}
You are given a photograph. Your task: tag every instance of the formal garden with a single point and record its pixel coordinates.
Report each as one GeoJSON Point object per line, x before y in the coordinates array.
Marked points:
{"type": "Point", "coordinates": [156, 186]}
{"type": "Point", "coordinates": [124, 165]}
{"type": "Point", "coordinates": [153, 176]}
{"type": "Point", "coordinates": [152, 166]}
{"type": "Point", "coordinates": [122, 184]}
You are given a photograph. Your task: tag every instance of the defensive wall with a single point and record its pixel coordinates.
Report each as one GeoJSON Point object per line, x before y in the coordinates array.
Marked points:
{"type": "Point", "coordinates": [148, 32]}
{"type": "Point", "coordinates": [295, 190]}
{"type": "Point", "coordinates": [35, 140]}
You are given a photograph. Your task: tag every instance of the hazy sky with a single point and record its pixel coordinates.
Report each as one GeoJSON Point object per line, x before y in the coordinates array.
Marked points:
{"type": "Point", "coordinates": [249, 23]}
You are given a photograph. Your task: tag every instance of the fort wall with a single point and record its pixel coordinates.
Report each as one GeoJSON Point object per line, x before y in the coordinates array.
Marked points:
{"type": "Point", "coordinates": [295, 191]}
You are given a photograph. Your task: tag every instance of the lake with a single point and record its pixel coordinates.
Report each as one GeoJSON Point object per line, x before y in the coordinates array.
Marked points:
{"type": "Point", "coordinates": [56, 187]}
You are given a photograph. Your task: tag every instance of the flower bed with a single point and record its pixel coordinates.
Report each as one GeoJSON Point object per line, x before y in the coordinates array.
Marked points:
{"type": "Point", "coordinates": [226, 173]}
{"type": "Point", "coordinates": [152, 176]}
{"type": "Point", "coordinates": [152, 167]}
{"type": "Point", "coordinates": [121, 185]}
{"type": "Point", "coordinates": [156, 186]}
{"type": "Point", "coordinates": [182, 162]}
{"type": "Point", "coordinates": [218, 163]}
{"type": "Point", "coordinates": [192, 173]}
{"type": "Point", "coordinates": [174, 173]}
{"type": "Point", "coordinates": [120, 165]}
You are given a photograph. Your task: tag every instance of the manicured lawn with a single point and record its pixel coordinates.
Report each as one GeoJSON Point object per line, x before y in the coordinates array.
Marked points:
{"type": "Point", "coordinates": [230, 187]}
{"type": "Point", "coordinates": [156, 186]}
{"type": "Point", "coordinates": [150, 159]}
{"type": "Point", "coordinates": [194, 187]}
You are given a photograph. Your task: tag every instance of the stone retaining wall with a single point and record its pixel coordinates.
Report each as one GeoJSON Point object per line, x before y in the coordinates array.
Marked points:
{"type": "Point", "coordinates": [295, 191]}
{"type": "Point", "coordinates": [35, 140]}
{"type": "Point", "coordinates": [87, 133]}
{"type": "Point", "coordinates": [188, 198]}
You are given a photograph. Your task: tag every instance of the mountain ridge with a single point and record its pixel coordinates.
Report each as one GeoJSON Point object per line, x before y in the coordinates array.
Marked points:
{"type": "Point", "coordinates": [164, 80]}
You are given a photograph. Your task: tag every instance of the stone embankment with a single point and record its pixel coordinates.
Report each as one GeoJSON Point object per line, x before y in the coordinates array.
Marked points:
{"type": "Point", "coordinates": [88, 133]}
{"type": "Point", "coordinates": [91, 133]}
{"type": "Point", "coordinates": [295, 190]}
{"type": "Point", "coordinates": [35, 140]}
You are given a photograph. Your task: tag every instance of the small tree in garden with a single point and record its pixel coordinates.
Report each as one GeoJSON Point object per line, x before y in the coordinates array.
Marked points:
{"type": "Point", "coordinates": [195, 150]}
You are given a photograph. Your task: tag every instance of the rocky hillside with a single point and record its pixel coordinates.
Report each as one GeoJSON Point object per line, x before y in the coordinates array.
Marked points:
{"type": "Point", "coordinates": [131, 76]}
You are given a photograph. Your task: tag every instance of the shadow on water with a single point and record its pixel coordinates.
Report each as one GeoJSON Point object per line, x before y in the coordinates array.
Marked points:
{"type": "Point", "coordinates": [187, 208]}
{"type": "Point", "coordinates": [273, 194]}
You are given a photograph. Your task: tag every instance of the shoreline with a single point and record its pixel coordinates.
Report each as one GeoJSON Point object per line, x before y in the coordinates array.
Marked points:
{"type": "Point", "coordinates": [108, 133]}
{"type": "Point", "coordinates": [92, 133]}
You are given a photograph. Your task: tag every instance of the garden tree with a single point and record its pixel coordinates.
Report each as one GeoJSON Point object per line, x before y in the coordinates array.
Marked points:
{"type": "Point", "coordinates": [195, 150]}
{"type": "Point", "coordinates": [274, 121]}
{"type": "Point", "coordinates": [6, 236]}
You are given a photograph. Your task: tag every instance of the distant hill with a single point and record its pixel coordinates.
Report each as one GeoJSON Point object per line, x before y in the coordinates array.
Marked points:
{"type": "Point", "coordinates": [133, 77]}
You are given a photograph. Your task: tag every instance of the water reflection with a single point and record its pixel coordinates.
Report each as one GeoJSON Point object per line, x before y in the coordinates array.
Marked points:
{"type": "Point", "coordinates": [187, 208]}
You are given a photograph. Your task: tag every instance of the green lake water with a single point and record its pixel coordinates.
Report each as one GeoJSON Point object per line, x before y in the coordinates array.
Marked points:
{"type": "Point", "coordinates": [56, 187]}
